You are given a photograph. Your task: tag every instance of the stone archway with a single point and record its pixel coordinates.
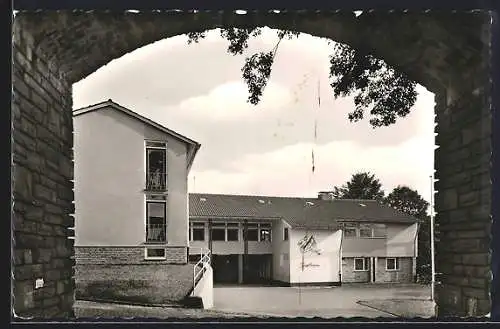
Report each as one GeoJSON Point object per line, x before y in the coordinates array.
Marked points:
{"type": "Point", "coordinates": [447, 53]}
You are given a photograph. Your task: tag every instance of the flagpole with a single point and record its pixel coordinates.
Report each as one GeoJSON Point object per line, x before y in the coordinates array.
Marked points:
{"type": "Point", "coordinates": [433, 268]}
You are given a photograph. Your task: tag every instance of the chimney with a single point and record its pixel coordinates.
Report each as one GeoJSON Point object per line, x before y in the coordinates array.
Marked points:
{"type": "Point", "coordinates": [325, 195]}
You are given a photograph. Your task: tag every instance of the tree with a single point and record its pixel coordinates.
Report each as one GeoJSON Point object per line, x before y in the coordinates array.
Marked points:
{"type": "Point", "coordinates": [363, 185]}
{"type": "Point", "coordinates": [378, 87]}
{"type": "Point", "coordinates": [410, 202]}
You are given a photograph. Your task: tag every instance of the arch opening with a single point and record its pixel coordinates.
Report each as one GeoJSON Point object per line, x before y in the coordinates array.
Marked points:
{"type": "Point", "coordinates": [65, 47]}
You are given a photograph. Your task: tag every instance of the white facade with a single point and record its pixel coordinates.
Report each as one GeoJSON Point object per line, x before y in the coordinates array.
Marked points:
{"type": "Point", "coordinates": [331, 256]}
{"type": "Point", "coordinates": [320, 266]}
{"type": "Point", "coordinates": [110, 178]}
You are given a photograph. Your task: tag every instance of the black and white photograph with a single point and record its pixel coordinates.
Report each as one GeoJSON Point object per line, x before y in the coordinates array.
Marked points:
{"type": "Point", "coordinates": [251, 164]}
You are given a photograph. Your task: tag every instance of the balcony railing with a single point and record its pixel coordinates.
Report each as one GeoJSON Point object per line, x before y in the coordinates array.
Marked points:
{"type": "Point", "coordinates": [156, 181]}
{"type": "Point", "coordinates": [156, 233]}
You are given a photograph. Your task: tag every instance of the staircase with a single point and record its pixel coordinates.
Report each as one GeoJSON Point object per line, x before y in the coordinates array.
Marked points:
{"type": "Point", "coordinates": [201, 266]}
{"type": "Point", "coordinates": [199, 269]}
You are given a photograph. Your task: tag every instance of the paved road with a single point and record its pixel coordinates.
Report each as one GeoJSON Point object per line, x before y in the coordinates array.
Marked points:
{"type": "Point", "coordinates": [309, 302]}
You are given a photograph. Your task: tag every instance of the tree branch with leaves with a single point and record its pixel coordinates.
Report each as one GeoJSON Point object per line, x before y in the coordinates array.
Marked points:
{"type": "Point", "coordinates": [377, 87]}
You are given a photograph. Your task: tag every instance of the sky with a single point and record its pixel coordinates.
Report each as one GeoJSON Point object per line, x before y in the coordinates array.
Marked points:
{"type": "Point", "coordinates": [197, 90]}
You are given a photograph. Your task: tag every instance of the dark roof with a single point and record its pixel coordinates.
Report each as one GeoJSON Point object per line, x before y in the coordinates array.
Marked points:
{"type": "Point", "coordinates": [194, 146]}
{"type": "Point", "coordinates": [298, 212]}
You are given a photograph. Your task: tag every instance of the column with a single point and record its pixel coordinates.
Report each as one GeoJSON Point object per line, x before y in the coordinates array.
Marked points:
{"type": "Point", "coordinates": [240, 268]}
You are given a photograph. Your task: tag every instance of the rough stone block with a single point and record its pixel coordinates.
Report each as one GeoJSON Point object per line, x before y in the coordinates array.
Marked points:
{"type": "Point", "coordinates": [23, 291]}
{"type": "Point", "coordinates": [28, 259]}
{"type": "Point", "coordinates": [23, 182]}
{"type": "Point", "coordinates": [476, 259]}
{"type": "Point", "coordinates": [61, 287]}
{"type": "Point", "coordinates": [52, 301]}
{"type": "Point", "coordinates": [53, 275]}
{"type": "Point", "coordinates": [469, 199]}
{"type": "Point", "coordinates": [18, 257]}
{"type": "Point", "coordinates": [49, 292]}
{"type": "Point", "coordinates": [34, 213]}
{"type": "Point", "coordinates": [449, 199]}
{"type": "Point", "coordinates": [44, 193]}
{"type": "Point", "coordinates": [42, 255]}
{"type": "Point", "coordinates": [481, 283]}
{"type": "Point", "coordinates": [479, 293]}
{"type": "Point", "coordinates": [482, 180]}
{"type": "Point", "coordinates": [28, 272]}
{"type": "Point", "coordinates": [481, 212]}
{"type": "Point", "coordinates": [471, 133]}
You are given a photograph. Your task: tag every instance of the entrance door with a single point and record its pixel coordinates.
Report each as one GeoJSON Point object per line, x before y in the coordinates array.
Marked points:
{"type": "Point", "coordinates": [225, 268]}
{"type": "Point", "coordinates": [257, 269]}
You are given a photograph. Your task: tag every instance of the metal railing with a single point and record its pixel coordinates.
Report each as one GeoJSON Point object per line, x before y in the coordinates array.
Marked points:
{"type": "Point", "coordinates": [156, 181]}
{"type": "Point", "coordinates": [201, 266]}
{"type": "Point", "coordinates": [156, 233]}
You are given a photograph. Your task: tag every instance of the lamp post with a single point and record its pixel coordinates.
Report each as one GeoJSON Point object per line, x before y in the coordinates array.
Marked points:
{"type": "Point", "coordinates": [433, 268]}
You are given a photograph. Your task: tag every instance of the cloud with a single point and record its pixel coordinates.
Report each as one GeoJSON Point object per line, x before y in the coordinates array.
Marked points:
{"type": "Point", "coordinates": [197, 90]}
{"type": "Point", "coordinates": [228, 102]}
{"type": "Point", "coordinates": [288, 171]}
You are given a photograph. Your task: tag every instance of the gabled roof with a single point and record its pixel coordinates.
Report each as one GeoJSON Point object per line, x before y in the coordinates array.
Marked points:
{"type": "Point", "coordinates": [309, 213]}
{"type": "Point", "coordinates": [193, 145]}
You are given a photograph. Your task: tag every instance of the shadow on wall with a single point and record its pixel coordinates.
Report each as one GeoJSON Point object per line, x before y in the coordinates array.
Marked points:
{"type": "Point", "coordinates": [143, 284]}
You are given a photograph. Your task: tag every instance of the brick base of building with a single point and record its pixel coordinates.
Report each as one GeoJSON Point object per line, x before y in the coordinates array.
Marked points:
{"type": "Point", "coordinates": [123, 274]}
{"type": "Point", "coordinates": [128, 255]}
{"type": "Point", "coordinates": [403, 275]}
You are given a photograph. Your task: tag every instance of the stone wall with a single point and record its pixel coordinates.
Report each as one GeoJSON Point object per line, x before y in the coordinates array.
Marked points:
{"type": "Point", "coordinates": [147, 283]}
{"type": "Point", "coordinates": [42, 187]}
{"type": "Point", "coordinates": [463, 200]}
{"type": "Point", "coordinates": [350, 275]}
{"type": "Point", "coordinates": [403, 275]}
{"type": "Point", "coordinates": [122, 274]}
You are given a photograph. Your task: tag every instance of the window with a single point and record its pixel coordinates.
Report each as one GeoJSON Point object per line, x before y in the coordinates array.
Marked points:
{"type": "Point", "coordinates": [285, 234]}
{"type": "Point", "coordinates": [265, 232]}
{"type": "Point", "coordinates": [155, 253]}
{"type": "Point", "coordinates": [361, 264]}
{"type": "Point", "coordinates": [218, 232]}
{"type": "Point", "coordinates": [156, 166]}
{"type": "Point", "coordinates": [197, 232]}
{"type": "Point", "coordinates": [225, 231]}
{"type": "Point", "coordinates": [365, 231]}
{"type": "Point", "coordinates": [156, 221]}
{"type": "Point", "coordinates": [258, 232]}
{"type": "Point", "coordinates": [194, 258]}
{"type": "Point", "coordinates": [252, 232]}
{"type": "Point", "coordinates": [233, 230]}
{"type": "Point", "coordinates": [350, 232]}
{"type": "Point", "coordinates": [391, 264]}
{"type": "Point", "coordinates": [379, 231]}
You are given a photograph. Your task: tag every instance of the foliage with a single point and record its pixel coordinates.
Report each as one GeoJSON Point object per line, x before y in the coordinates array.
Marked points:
{"type": "Point", "coordinates": [387, 93]}
{"type": "Point", "coordinates": [363, 185]}
{"type": "Point", "coordinates": [408, 201]}
{"type": "Point", "coordinates": [195, 37]}
{"type": "Point", "coordinates": [238, 38]}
